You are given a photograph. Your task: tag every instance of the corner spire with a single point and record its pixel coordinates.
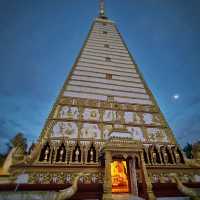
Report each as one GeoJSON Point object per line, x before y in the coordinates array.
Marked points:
{"type": "Point", "coordinates": [102, 9]}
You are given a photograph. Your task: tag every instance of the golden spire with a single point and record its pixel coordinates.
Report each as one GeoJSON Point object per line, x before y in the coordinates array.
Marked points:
{"type": "Point", "coordinates": [102, 9]}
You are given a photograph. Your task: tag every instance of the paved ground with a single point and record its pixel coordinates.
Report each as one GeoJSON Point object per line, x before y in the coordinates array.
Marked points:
{"type": "Point", "coordinates": [174, 198]}
{"type": "Point", "coordinates": [50, 195]}
{"type": "Point", "coordinates": [130, 197]}
{"type": "Point", "coordinates": [125, 197]}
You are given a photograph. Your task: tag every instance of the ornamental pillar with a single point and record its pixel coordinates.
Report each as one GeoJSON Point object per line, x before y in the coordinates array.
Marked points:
{"type": "Point", "coordinates": [159, 153]}
{"type": "Point", "coordinates": [172, 156]}
{"type": "Point", "coordinates": [107, 177]}
{"type": "Point", "coordinates": [55, 154]}
{"type": "Point", "coordinates": [146, 149]}
{"type": "Point", "coordinates": [150, 194]}
{"type": "Point", "coordinates": [133, 176]}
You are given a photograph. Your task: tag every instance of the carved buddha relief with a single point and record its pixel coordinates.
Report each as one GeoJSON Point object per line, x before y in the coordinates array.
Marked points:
{"type": "Point", "coordinates": [136, 118]}
{"type": "Point", "coordinates": [65, 129]}
{"type": "Point", "coordinates": [69, 112]}
{"type": "Point", "coordinates": [152, 134]}
{"type": "Point", "coordinates": [106, 130]}
{"type": "Point", "coordinates": [156, 119]}
{"type": "Point", "coordinates": [163, 135]}
{"type": "Point", "coordinates": [90, 131]}
{"type": "Point", "coordinates": [109, 115]}
{"type": "Point", "coordinates": [157, 135]}
{"type": "Point", "coordinates": [91, 114]}
{"type": "Point", "coordinates": [132, 117]}
{"type": "Point", "coordinates": [148, 118]}
{"type": "Point", "coordinates": [128, 116]}
{"type": "Point", "coordinates": [136, 133]}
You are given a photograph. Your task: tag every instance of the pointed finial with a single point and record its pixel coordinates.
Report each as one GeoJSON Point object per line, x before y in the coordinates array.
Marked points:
{"type": "Point", "coordinates": [102, 9]}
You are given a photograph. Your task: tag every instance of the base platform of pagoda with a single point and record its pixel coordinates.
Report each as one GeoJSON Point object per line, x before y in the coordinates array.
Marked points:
{"type": "Point", "coordinates": [163, 191]}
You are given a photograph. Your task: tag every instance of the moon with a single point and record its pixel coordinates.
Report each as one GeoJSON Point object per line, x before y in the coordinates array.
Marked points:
{"type": "Point", "coordinates": [176, 96]}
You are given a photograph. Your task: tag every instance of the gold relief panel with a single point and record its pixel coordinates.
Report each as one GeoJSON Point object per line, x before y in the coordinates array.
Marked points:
{"type": "Point", "coordinates": [136, 118]}
{"type": "Point", "coordinates": [128, 117]}
{"type": "Point", "coordinates": [109, 115]}
{"type": "Point", "coordinates": [69, 112]}
{"type": "Point", "coordinates": [147, 118]}
{"type": "Point", "coordinates": [157, 119]}
{"type": "Point", "coordinates": [137, 133]}
{"type": "Point", "coordinates": [120, 117]}
{"type": "Point", "coordinates": [131, 107]}
{"type": "Point", "coordinates": [65, 129]}
{"type": "Point", "coordinates": [107, 129]}
{"type": "Point", "coordinates": [66, 100]}
{"type": "Point", "coordinates": [91, 114]}
{"type": "Point", "coordinates": [93, 103]}
{"type": "Point", "coordinates": [132, 117]}
{"type": "Point", "coordinates": [157, 135]}
{"type": "Point", "coordinates": [170, 135]}
{"type": "Point", "coordinates": [56, 112]}
{"type": "Point", "coordinates": [117, 106]}
{"type": "Point", "coordinates": [81, 102]}
{"type": "Point", "coordinates": [90, 131]}
{"type": "Point", "coordinates": [147, 108]}
{"type": "Point", "coordinates": [106, 104]}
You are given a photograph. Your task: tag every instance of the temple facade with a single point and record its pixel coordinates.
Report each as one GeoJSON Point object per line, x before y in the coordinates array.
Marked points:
{"type": "Point", "coordinates": [107, 123]}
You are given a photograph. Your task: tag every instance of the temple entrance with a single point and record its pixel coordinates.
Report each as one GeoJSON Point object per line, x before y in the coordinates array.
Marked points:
{"type": "Point", "coordinates": [123, 168]}
{"type": "Point", "coordinates": [119, 175]}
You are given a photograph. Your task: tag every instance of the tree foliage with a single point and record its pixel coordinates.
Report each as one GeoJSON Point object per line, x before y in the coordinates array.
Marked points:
{"type": "Point", "coordinates": [19, 141]}
{"type": "Point", "coordinates": [188, 150]}
{"type": "Point", "coordinates": [2, 158]}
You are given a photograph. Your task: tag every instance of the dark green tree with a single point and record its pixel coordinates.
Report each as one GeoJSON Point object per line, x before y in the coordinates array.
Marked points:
{"type": "Point", "coordinates": [188, 150]}
{"type": "Point", "coordinates": [2, 158]}
{"type": "Point", "coordinates": [19, 141]}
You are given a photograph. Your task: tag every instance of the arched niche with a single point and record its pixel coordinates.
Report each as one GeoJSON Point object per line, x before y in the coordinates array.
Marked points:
{"type": "Point", "coordinates": [154, 155]}
{"type": "Point", "coordinates": [61, 153]}
{"type": "Point", "coordinates": [145, 156]}
{"type": "Point", "coordinates": [76, 154]}
{"type": "Point", "coordinates": [91, 155]}
{"type": "Point", "coordinates": [45, 152]}
{"type": "Point", "coordinates": [178, 157]}
{"type": "Point", "coordinates": [166, 155]}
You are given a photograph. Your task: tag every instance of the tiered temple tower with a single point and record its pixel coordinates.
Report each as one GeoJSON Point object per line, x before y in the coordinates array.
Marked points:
{"type": "Point", "coordinates": [105, 121]}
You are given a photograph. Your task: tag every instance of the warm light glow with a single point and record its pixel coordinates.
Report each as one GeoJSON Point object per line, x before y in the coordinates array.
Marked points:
{"type": "Point", "coordinates": [119, 176]}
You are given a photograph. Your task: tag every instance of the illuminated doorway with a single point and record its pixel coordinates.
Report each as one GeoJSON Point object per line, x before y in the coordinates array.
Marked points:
{"type": "Point", "coordinates": [119, 176]}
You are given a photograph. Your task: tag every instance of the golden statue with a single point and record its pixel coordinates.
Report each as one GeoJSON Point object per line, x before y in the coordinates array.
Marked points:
{"type": "Point", "coordinates": [91, 155]}
{"type": "Point", "coordinates": [61, 154]}
{"type": "Point", "coordinates": [77, 155]}
{"type": "Point", "coordinates": [119, 175]}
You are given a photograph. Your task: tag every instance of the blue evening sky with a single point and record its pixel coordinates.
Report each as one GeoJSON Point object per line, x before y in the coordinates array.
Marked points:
{"type": "Point", "coordinates": [40, 39]}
